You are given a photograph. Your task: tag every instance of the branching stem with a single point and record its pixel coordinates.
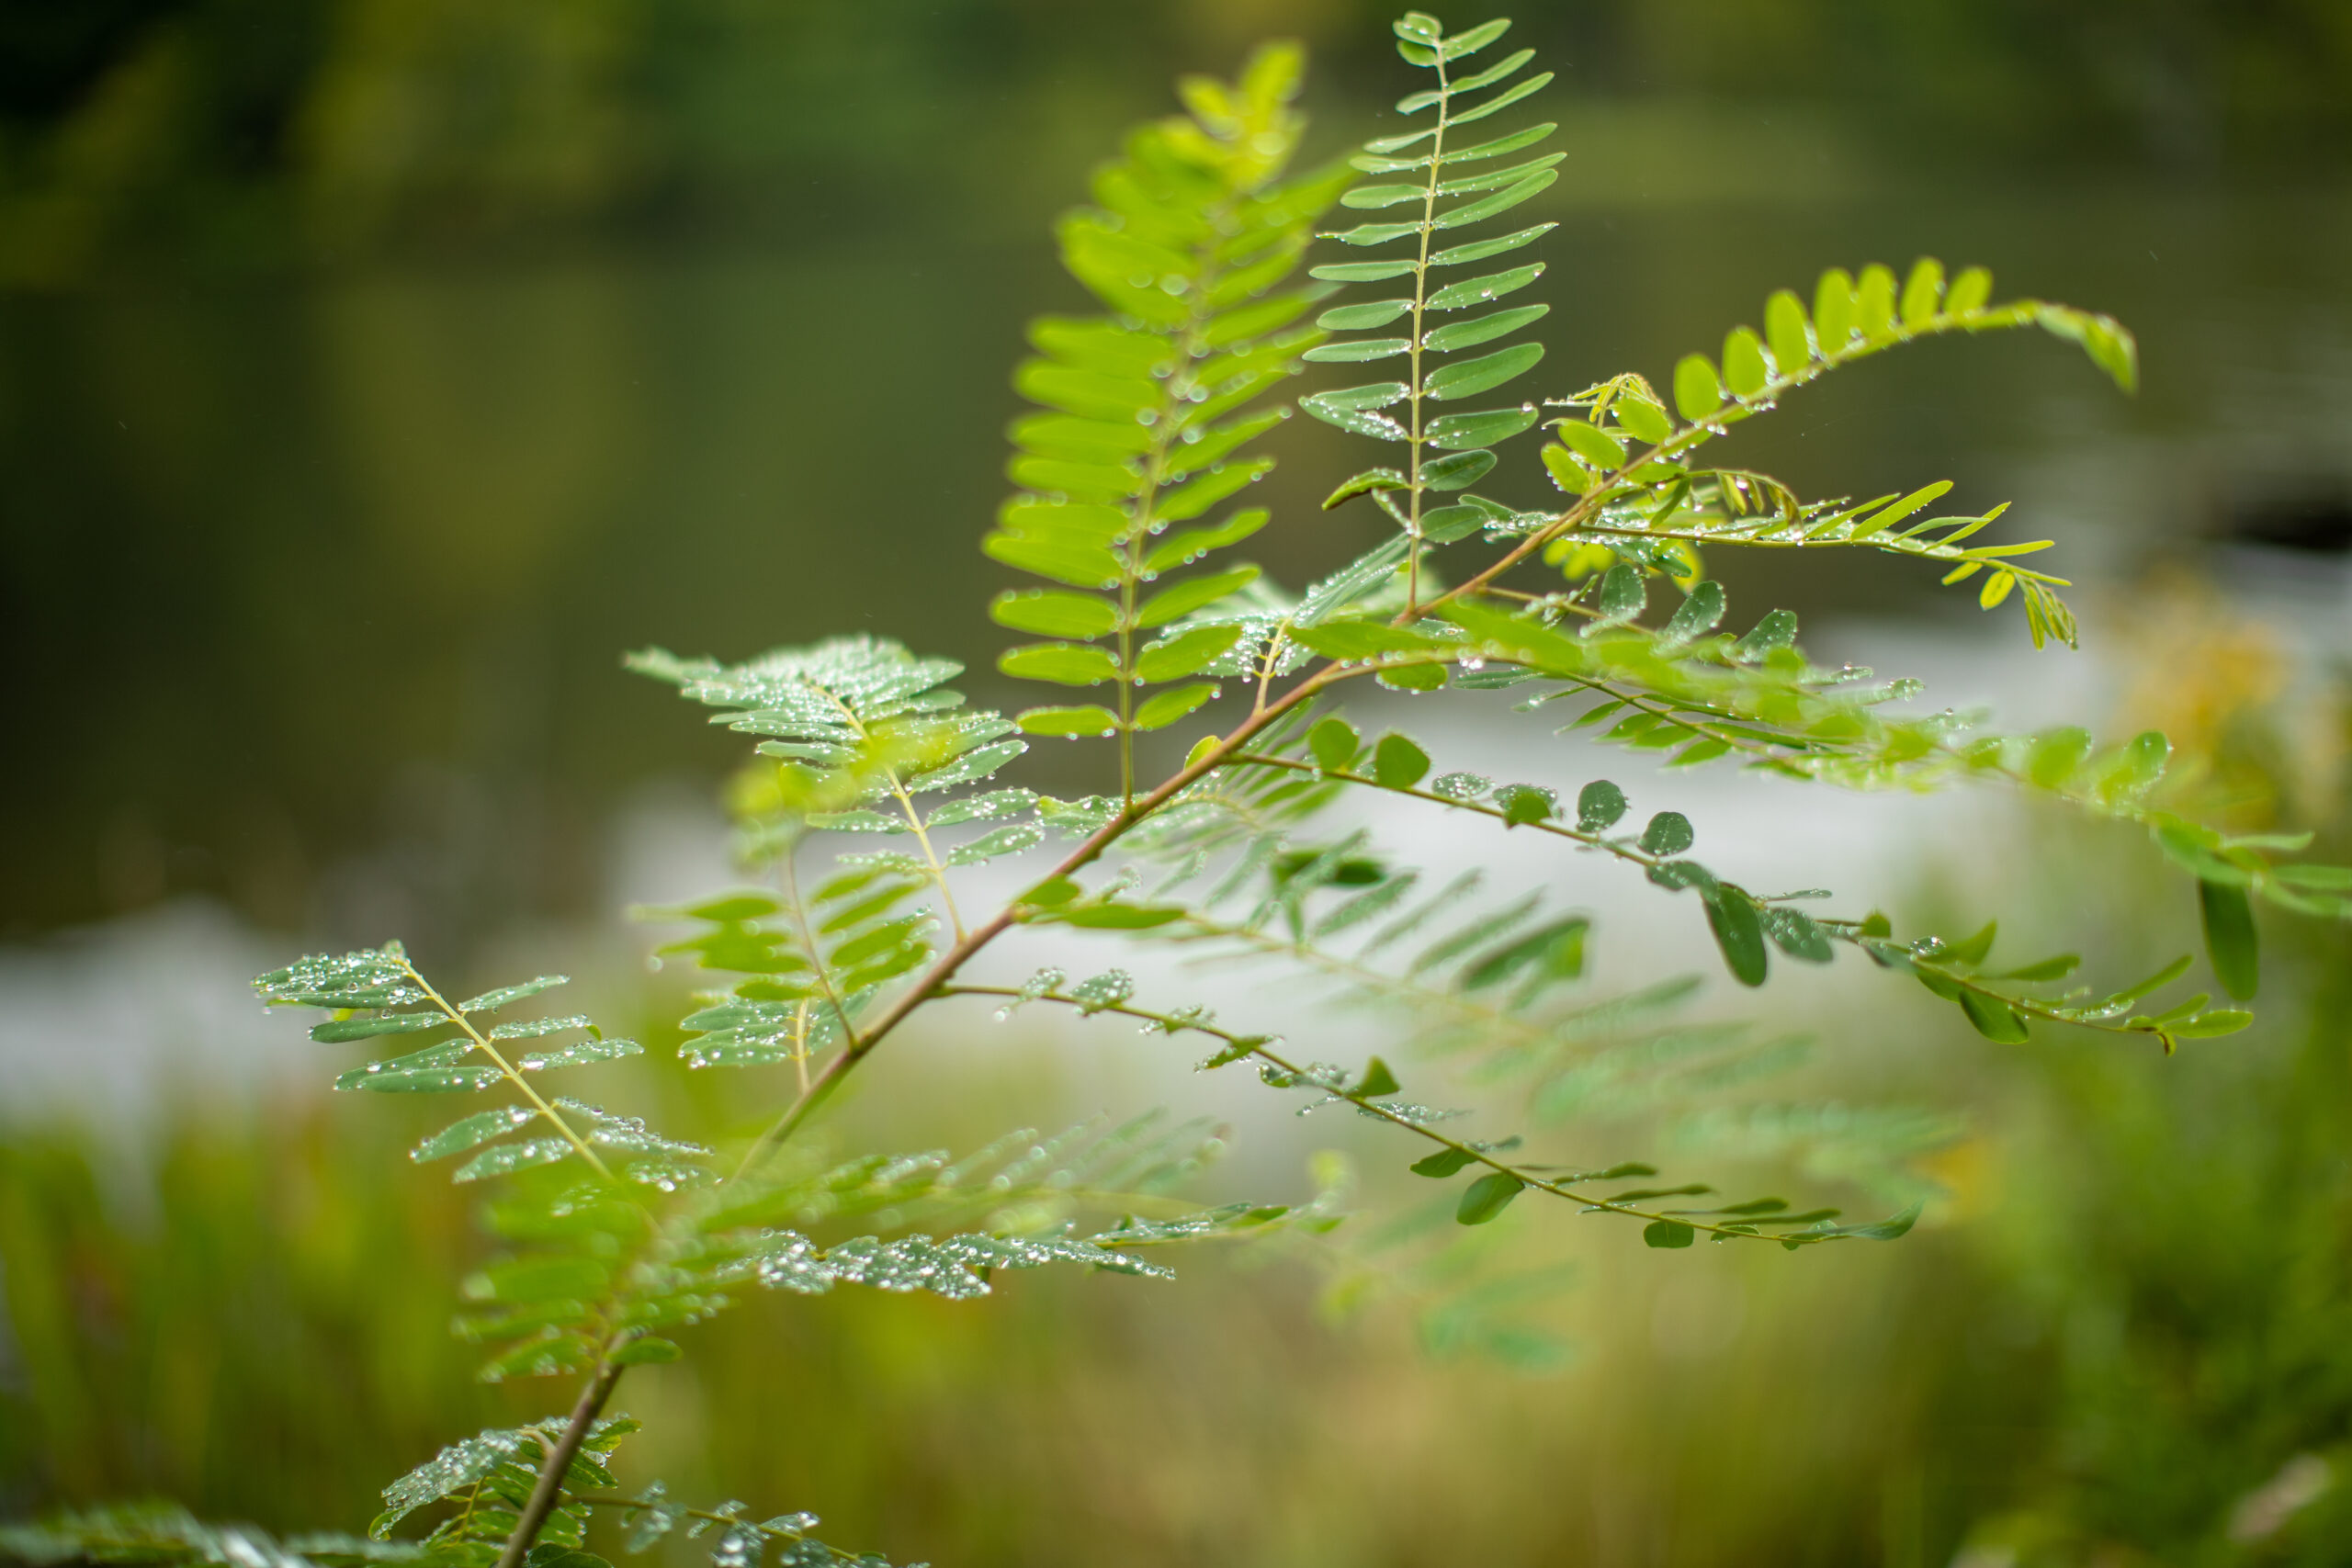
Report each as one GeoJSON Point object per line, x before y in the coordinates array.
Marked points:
{"type": "Point", "coordinates": [548, 1492]}
{"type": "Point", "coordinates": [858, 1046]}
{"type": "Point", "coordinates": [1420, 301]}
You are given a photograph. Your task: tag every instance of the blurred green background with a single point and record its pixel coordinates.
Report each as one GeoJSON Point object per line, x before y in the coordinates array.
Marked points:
{"type": "Point", "coordinates": [373, 372]}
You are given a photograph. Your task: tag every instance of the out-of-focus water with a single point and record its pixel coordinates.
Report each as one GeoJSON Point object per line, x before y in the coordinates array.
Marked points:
{"type": "Point", "coordinates": [315, 591]}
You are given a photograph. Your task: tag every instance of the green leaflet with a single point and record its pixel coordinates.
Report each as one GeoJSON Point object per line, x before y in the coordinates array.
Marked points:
{"type": "Point", "coordinates": [1479, 250]}
{"type": "Point", "coordinates": [1622, 597]}
{"type": "Point", "coordinates": [1479, 290]}
{"type": "Point", "coordinates": [1495, 179]}
{"type": "Point", "coordinates": [1397, 763]}
{"type": "Point", "coordinates": [1483, 329]}
{"type": "Point", "coordinates": [1360, 272]}
{"type": "Point", "coordinates": [1453, 431]}
{"type": "Point", "coordinates": [1992, 1019]}
{"type": "Point", "coordinates": [505, 1160]}
{"type": "Point", "coordinates": [1183, 549]}
{"type": "Point", "coordinates": [1599, 806]}
{"type": "Point", "coordinates": [479, 1128]}
{"type": "Point", "coordinates": [1172, 604]}
{"type": "Point", "coordinates": [1444, 1163]}
{"type": "Point", "coordinates": [1064, 663]}
{"type": "Point", "coordinates": [1486, 1199]}
{"type": "Point", "coordinates": [1354, 317]}
{"type": "Point", "coordinates": [1738, 933]}
{"type": "Point", "coordinates": [436, 1069]}
{"type": "Point", "coordinates": [2230, 938]}
{"type": "Point", "coordinates": [1187, 653]}
{"type": "Point", "coordinates": [1469, 377]}
{"type": "Point", "coordinates": [341, 1029]}
{"type": "Point", "coordinates": [490, 1001]}
{"type": "Point", "coordinates": [1668, 832]}
{"type": "Point", "coordinates": [1457, 470]}
{"type": "Point", "coordinates": [1367, 484]}
{"type": "Point", "coordinates": [1050, 614]}
{"type": "Point", "coordinates": [1697, 391]}
{"type": "Point", "coordinates": [1505, 98]}
{"type": "Point", "coordinates": [1502, 200]}
{"type": "Point", "coordinates": [1595, 446]}
{"type": "Point", "coordinates": [578, 1055]}
{"type": "Point", "coordinates": [1069, 721]}
{"type": "Point", "coordinates": [1333, 743]}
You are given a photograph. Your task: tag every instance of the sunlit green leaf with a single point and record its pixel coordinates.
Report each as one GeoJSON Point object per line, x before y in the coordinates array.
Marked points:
{"type": "Point", "coordinates": [1697, 391]}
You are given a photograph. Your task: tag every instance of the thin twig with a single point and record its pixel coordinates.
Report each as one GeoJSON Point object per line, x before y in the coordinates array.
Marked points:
{"type": "Point", "coordinates": [1262, 1048]}
{"type": "Point", "coordinates": [548, 1492]}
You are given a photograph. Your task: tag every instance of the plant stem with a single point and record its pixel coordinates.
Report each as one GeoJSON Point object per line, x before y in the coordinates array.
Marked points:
{"type": "Point", "coordinates": [858, 1046]}
{"type": "Point", "coordinates": [1421, 298]}
{"type": "Point", "coordinates": [550, 1490]}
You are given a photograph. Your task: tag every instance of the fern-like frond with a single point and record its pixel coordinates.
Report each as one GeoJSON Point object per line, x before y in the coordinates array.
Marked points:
{"type": "Point", "coordinates": [488, 1477]}
{"type": "Point", "coordinates": [1148, 409]}
{"type": "Point", "coordinates": [1450, 189]}
{"type": "Point", "coordinates": [1662, 527]}
{"type": "Point", "coordinates": [1747, 926]}
{"type": "Point", "coordinates": [1852, 319]}
{"type": "Point", "coordinates": [856, 722]}
{"type": "Point", "coordinates": [1627, 460]}
{"type": "Point", "coordinates": [1375, 1092]}
{"type": "Point", "coordinates": [377, 993]}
